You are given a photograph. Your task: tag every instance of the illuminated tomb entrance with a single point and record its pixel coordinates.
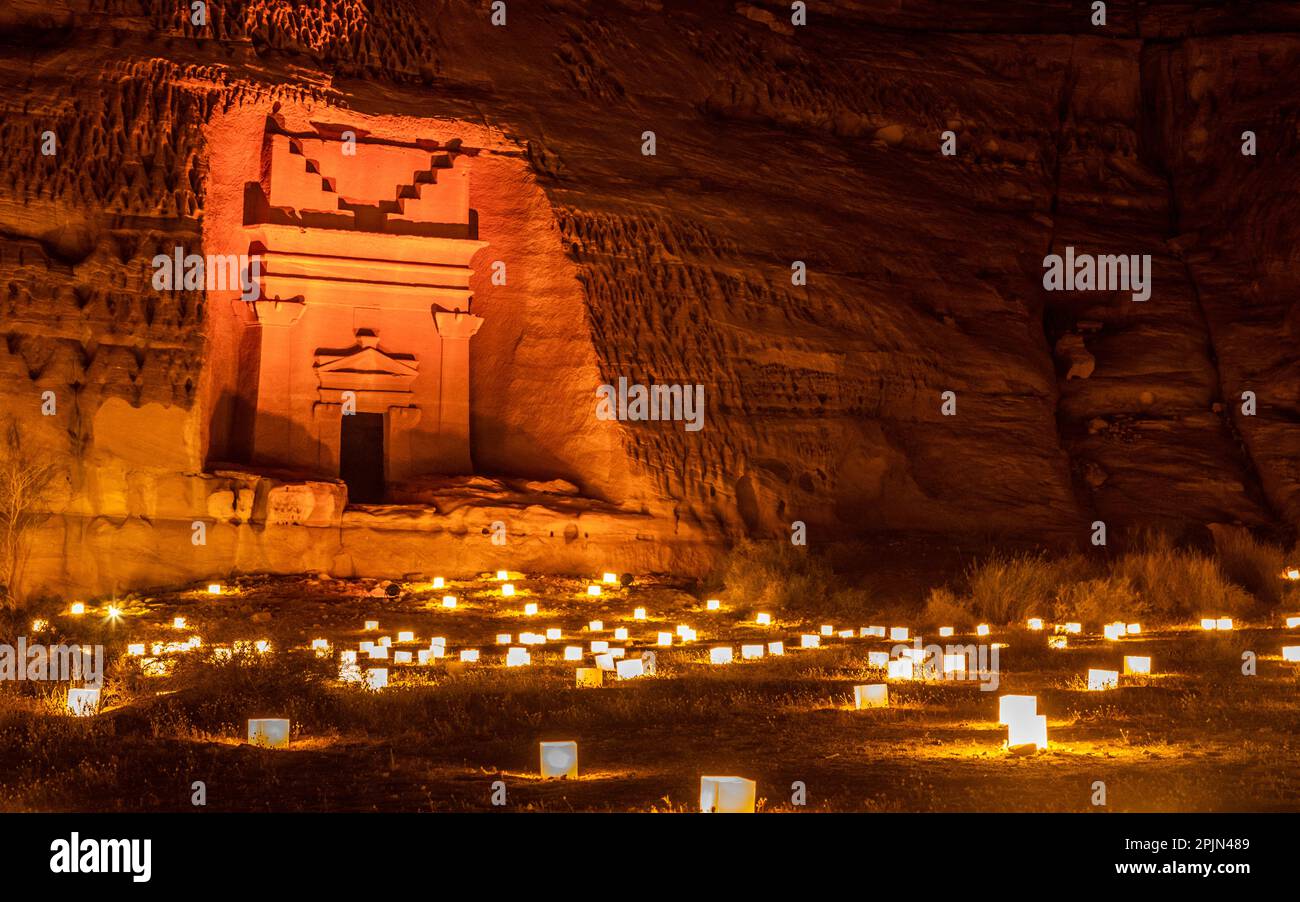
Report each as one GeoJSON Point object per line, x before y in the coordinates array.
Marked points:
{"type": "Point", "coordinates": [355, 358]}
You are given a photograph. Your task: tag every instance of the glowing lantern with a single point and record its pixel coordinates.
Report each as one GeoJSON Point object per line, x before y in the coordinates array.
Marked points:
{"type": "Point", "coordinates": [630, 668]}
{"type": "Point", "coordinates": [532, 639]}
{"type": "Point", "coordinates": [372, 625]}
{"type": "Point", "coordinates": [554, 634]}
{"type": "Point", "coordinates": [1292, 622]}
{"type": "Point", "coordinates": [751, 652]}
{"type": "Point", "coordinates": [439, 582]}
{"type": "Point", "coordinates": [713, 604]}
{"type": "Point", "coordinates": [605, 662]}
{"type": "Point", "coordinates": [945, 632]}
{"type": "Point", "coordinates": [1016, 707]}
{"type": "Point", "coordinates": [83, 702]}
{"type": "Point", "coordinates": [898, 633]}
{"type": "Point", "coordinates": [1113, 631]}
{"type": "Point", "coordinates": [518, 657]}
{"type": "Point", "coordinates": [135, 649]}
{"type": "Point", "coordinates": [764, 619]}
{"type": "Point", "coordinates": [469, 655]}
{"type": "Point", "coordinates": [609, 578]}
{"type": "Point", "coordinates": [828, 630]}
{"type": "Point", "coordinates": [1292, 573]}
{"type": "Point", "coordinates": [1134, 664]}
{"type": "Point", "coordinates": [593, 590]}
{"type": "Point", "coordinates": [776, 648]}
{"type": "Point", "coordinates": [262, 646]}
{"type": "Point", "coordinates": [954, 664]}
{"type": "Point", "coordinates": [620, 634]}
{"type": "Point", "coordinates": [900, 669]}
{"type": "Point", "coordinates": [214, 589]}
{"type": "Point", "coordinates": [638, 614]}
{"type": "Point", "coordinates": [1291, 654]}
{"type": "Point", "coordinates": [78, 608]}
{"type": "Point", "coordinates": [873, 695]}
{"type": "Point", "coordinates": [378, 651]}
{"type": "Point", "coordinates": [504, 639]}
{"type": "Point", "coordinates": [876, 631]}
{"type": "Point", "coordinates": [178, 623]}
{"type": "Point", "coordinates": [665, 639]}
{"type": "Point", "coordinates": [320, 644]}
{"type": "Point", "coordinates": [559, 760]}
{"type": "Point", "coordinates": [808, 640]}
{"type": "Point", "coordinates": [573, 653]}
{"type": "Point", "coordinates": [406, 636]}
{"type": "Point", "coordinates": [589, 677]}
{"type": "Point", "coordinates": [1035, 623]}
{"type": "Point", "coordinates": [1223, 623]}
{"type": "Point", "coordinates": [1074, 628]}
{"type": "Point", "coordinates": [423, 656]}
{"type": "Point", "coordinates": [720, 655]}
{"type": "Point", "coordinates": [1133, 629]}
{"type": "Point", "coordinates": [376, 678]}
{"type": "Point", "coordinates": [1099, 680]}
{"type": "Point", "coordinates": [599, 646]}
{"type": "Point", "coordinates": [385, 641]}
{"type": "Point", "coordinates": [1028, 730]}
{"type": "Point", "coordinates": [596, 626]}
{"type": "Point", "coordinates": [877, 659]}
{"type": "Point", "coordinates": [982, 629]}
{"type": "Point", "coordinates": [530, 609]}
{"type": "Point", "coordinates": [437, 641]}
{"type": "Point", "coordinates": [727, 795]}
{"type": "Point", "coordinates": [508, 590]}
{"type": "Point", "coordinates": [404, 657]}
{"type": "Point", "coordinates": [847, 634]}
{"type": "Point", "coordinates": [449, 601]}
{"type": "Point", "coordinates": [269, 732]}
{"type": "Point", "coordinates": [1209, 623]}
{"type": "Point", "coordinates": [688, 635]}
{"type": "Point", "coordinates": [502, 575]}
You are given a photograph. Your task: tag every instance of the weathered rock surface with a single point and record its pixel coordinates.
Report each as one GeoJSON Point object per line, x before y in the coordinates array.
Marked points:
{"type": "Point", "coordinates": [774, 144]}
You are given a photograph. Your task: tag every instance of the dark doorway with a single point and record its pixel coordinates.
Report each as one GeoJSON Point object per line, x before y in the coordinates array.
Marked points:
{"type": "Point", "coordinates": [361, 457]}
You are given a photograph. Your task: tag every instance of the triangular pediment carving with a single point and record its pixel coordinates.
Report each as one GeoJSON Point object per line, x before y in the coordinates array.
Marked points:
{"type": "Point", "coordinates": [366, 369]}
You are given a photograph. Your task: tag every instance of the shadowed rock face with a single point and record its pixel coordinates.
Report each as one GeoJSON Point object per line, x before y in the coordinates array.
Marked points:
{"type": "Point", "coordinates": [774, 144]}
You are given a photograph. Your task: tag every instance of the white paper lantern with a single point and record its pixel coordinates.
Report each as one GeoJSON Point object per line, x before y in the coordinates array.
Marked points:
{"type": "Point", "coordinates": [945, 632]}
{"type": "Point", "coordinates": [439, 582]}
{"type": "Point", "coordinates": [665, 639]}
{"type": "Point", "coordinates": [630, 668]}
{"type": "Point", "coordinates": [727, 795]}
{"type": "Point", "coordinates": [438, 641]}
{"type": "Point", "coordinates": [1113, 631]}
{"type": "Point", "coordinates": [1291, 653]}
{"type": "Point", "coordinates": [593, 590]}
{"type": "Point", "coordinates": [1073, 628]}
{"type": "Point", "coordinates": [178, 623]}
{"type": "Point", "coordinates": [877, 632]}
{"type": "Point", "coordinates": [898, 633]}
{"type": "Point", "coordinates": [620, 634]}
{"type": "Point", "coordinates": [573, 653]}
{"type": "Point", "coordinates": [1133, 629]}
{"type": "Point", "coordinates": [638, 614]}
{"type": "Point", "coordinates": [720, 655]}
{"type": "Point", "coordinates": [596, 626]}
{"type": "Point", "coordinates": [751, 652]}
{"type": "Point", "coordinates": [1035, 623]}
{"type": "Point", "coordinates": [135, 649]}
{"type": "Point", "coordinates": [1102, 679]}
{"type": "Point", "coordinates": [606, 662]}
{"type": "Point", "coordinates": [688, 635]}
{"type": "Point", "coordinates": [808, 640]}
{"type": "Point", "coordinates": [1028, 730]}
{"type": "Point", "coordinates": [764, 619]}
{"type": "Point", "coordinates": [503, 575]}
{"type": "Point", "coordinates": [530, 609]}
{"type": "Point", "coordinates": [1056, 641]}
{"type": "Point", "coordinates": [269, 732]}
{"type": "Point", "coordinates": [469, 655]}
{"type": "Point", "coordinates": [1223, 623]}
{"type": "Point", "coordinates": [847, 634]}
{"type": "Point", "coordinates": [872, 695]}
{"type": "Point", "coordinates": [378, 652]}
{"type": "Point", "coordinates": [518, 657]}
{"type": "Point", "coordinates": [559, 760]}
{"type": "Point", "coordinates": [982, 629]}
{"type": "Point", "coordinates": [376, 678]}
{"type": "Point", "coordinates": [877, 659]}
{"type": "Point", "coordinates": [599, 646]}
{"type": "Point", "coordinates": [899, 669]}
{"type": "Point", "coordinates": [609, 578]}
{"type": "Point", "coordinates": [402, 657]}
{"type": "Point", "coordinates": [406, 636]}
{"type": "Point", "coordinates": [214, 589]}
{"type": "Point", "coordinates": [1209, 623]}
{"type": "Point", "coordinates": [423, 656]}
{"type": "Point", "coordinates": [385, 641]}
{"type": "Point", "coordinates": [372, 625]}
{"type": "Point", "coordinates": [1292, 622]}
{"type": "Point", "coordinates": [776, 648]}
{"type": "Point", "coordinates": [1013, 707]}
{"type": "Point", "coordinates": [532, 639]}
{"type": "Point", "coordinates": [504, 638]}
{"type": "Point", "coordinates": [954, 664]}
{"type": "Point", "coordinates": [83, 702]}
{"type": "Point", "coordinates": [554, 634]}
{"type": "Point", "coordinates": [828, 630]}
{"type": "Point", "coordinates": [449, 601]}
{"type": "Point", "coordinates": [713, 604]}
{"type": "Point", "coordinates": [508, 590]}
{"type": "Point", "coordinates": [1134, 664]}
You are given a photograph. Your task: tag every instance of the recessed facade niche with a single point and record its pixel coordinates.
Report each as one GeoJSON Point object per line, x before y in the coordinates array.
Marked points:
{"type": "Point", "coordinates": [355, 358]}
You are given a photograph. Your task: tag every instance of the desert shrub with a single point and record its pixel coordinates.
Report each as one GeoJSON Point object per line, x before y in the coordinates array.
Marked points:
{"type": "Point", "coordinates": [1254, 565]}
{"type": "Point", "coordinates": [1006, 588]}
{"type": "Point", "coordinates": [777, 576]}
{"type": "Point", "coordinates": [1101, 600]}
{"type": "Point", "coordinates": [944, 608]}
{"type": "Point", "coordinates": [1177, 583]}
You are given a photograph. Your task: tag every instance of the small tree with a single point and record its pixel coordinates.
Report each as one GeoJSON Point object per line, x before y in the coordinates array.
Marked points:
{"type": "Point", "coordinates": [25, 481]}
